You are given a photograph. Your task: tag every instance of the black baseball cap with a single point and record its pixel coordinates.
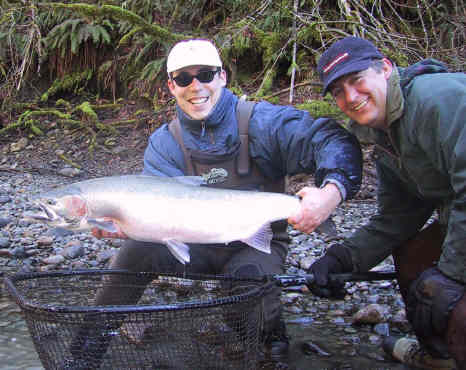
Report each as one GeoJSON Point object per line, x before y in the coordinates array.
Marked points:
{"type": "Point", "coordinates": [348, 55]}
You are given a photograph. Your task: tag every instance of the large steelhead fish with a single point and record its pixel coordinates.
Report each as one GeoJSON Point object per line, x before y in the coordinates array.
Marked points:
{"type": "Point", "coordinates": [167, 210]}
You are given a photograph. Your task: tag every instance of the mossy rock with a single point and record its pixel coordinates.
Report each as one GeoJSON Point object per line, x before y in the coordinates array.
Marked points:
{"type": "Point", "coordinates": [322, 108]}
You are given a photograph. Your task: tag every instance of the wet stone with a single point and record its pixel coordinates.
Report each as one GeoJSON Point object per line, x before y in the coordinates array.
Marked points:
{"type": "Point", "coordinates": [73, 250]}
{"type": "Point", "coordinates": [19, 252]}
{"type": "Point", "coordinates": [5, 253]}
{"type": "Point", "coordinates": [105, 256]}
{"type": "Point", "coordinates": [4, 199]}
{"type": "Point", "coordinates": [371, 314]}
{"type": "Point", "coordinates": [4, 242]}
{"type": "Point", "coordinates": [44, 241]}
{"type": "Point", "coordinates": [53, 260]}
{"type": "Point", "coordinates": [5, 221]}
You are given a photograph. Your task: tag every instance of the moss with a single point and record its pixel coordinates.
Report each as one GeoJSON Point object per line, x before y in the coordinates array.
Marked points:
{"type": "Point", "coordinates": [29, 121]}
{"type": "Point", "coordinates": [322, 108]}
{"type": "Point", "coordinates": [111, 106]}
{"type": "Point", "coordinates": [63, 103]}
{"type": "Point", "coordinates": [88, 113]}
{"type": "Point", "coordinates": [70, 82]}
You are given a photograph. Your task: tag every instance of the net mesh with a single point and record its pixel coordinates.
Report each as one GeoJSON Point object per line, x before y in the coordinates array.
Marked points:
{"type": "Point", "coordinates": [180, 322]}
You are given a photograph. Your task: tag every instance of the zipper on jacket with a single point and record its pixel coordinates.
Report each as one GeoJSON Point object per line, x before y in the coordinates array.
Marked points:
{"type": "Point", "coordinates": [202, 128]}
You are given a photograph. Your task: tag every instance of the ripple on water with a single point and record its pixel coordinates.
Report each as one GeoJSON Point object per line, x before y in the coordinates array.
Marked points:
{"type": "Point", "coordinates": [17, 351]}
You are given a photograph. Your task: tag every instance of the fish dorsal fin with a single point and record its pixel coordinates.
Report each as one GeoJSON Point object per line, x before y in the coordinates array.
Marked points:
{"type": "Point", "coordinates": [106, 225]}
{"type": "Point", "coordinates": [179, 250]}
{"type": "Point", "coordinates": [190, 180]}
{"type": "Point", "coordinates": [261, 239]}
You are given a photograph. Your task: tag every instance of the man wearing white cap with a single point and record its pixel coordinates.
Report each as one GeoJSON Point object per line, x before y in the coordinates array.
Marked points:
{"type": "Point", "coordinates": [208, 138]}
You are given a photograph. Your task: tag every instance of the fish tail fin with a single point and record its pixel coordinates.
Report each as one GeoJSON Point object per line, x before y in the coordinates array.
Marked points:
{"type": "Point", "coordinates": [179, 250]}
{"type": "Point", "coordinates": [261, 239]}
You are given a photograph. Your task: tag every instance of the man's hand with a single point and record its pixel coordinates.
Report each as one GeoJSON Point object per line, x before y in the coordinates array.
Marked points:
{"type": "Point", "coordinates": [431, 298]}
{"type": "Point", "coordinates": [337, 260]}
{"type": "Point", "coordinates": [316, 206]}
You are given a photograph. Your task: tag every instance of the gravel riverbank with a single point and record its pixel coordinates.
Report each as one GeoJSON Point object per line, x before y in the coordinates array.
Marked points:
{"type": "Point", "coordinates": [358, 322]}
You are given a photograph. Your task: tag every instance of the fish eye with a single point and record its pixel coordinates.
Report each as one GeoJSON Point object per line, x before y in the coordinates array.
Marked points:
{"type": "Point", "coordinates": [51, 202]}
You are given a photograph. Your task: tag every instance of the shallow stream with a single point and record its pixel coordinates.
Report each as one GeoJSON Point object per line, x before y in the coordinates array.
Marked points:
{"type": "Point", "coordinates": [315, 344]}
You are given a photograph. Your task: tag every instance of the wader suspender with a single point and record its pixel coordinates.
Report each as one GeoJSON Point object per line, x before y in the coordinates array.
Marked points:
{"type": "Point", "coordinates": [243, 114]}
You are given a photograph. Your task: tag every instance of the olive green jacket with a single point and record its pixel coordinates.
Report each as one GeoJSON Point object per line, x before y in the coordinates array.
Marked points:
{"type": "Point", "coordinates": [421, 167]}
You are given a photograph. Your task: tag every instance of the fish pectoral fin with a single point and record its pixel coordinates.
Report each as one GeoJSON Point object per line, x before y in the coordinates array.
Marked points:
{"type": "Point", "coordinates": [179, 250]}
{"type": "Point", "coordinates": [261, 239]}
{"type": "Point", "coordinates": [103, 224]}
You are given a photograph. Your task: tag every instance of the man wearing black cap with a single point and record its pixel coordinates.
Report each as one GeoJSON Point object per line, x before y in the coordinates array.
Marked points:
{"type": "Point", "coordinates": [416, 116]}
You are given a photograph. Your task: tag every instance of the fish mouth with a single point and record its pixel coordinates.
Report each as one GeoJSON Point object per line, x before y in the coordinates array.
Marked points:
{"type": "Point", "coordinates": [53, 218]}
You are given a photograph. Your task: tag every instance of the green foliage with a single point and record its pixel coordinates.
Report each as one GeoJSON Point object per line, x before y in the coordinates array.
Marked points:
{"type": "Point", "coordinates": [72, 33]}
{"type": "Point", "coordinates": [70, 83]}
{"type": "Point", "coordinates": [152, 70]}
{"type": "Point", "coordinates": [322, 108]}
{"type": "Point", "coordinates": [88, 113]}
{"type": "Point", "coordinates": [29, 120]}
{"type": "Point", "coordinates": [122, 44]}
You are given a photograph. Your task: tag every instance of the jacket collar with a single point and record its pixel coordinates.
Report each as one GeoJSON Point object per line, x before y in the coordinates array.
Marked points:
{"type": "Point", "coordinates": [215, 117]}
{"type": "Point", "coordinates": [395, 100]}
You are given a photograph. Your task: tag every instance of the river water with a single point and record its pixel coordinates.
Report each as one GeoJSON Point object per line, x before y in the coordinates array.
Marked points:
{"type": "Point", "coordinates": [16, 347]}
{"type": "Point", "coordinates": [337, 345]}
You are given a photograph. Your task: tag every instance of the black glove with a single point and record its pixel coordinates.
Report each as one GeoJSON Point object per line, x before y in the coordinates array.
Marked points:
{"type": "Point", "coordinates": [431, 298]}
{"type": "Point", "coordinates": [337, 260]}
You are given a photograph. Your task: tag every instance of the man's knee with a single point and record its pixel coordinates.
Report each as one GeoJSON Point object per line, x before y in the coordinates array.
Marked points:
{"type": "Point", "coordinates": [137, 256]}
{"type": "Point", "coordinates": [248, 271]}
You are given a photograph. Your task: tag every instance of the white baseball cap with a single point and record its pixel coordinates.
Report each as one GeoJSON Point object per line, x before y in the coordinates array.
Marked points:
{"type": "Point", "coordinates": [192, 53]}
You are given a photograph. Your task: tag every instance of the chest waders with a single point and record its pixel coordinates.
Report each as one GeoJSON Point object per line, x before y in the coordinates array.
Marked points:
{"type": "Point", "coordinates": [241, 173]}
{"type": "Point", "coordinates": [236, 170]}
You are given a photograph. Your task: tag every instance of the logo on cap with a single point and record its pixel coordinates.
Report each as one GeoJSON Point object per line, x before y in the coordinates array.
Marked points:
{"type": "Point", "coordinates": [334, 62]}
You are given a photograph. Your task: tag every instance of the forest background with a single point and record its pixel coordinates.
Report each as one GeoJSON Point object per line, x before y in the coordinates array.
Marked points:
{"type": "Point", "coordinates": [97, 68]}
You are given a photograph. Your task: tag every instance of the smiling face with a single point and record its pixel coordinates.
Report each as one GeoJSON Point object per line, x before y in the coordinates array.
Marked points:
{"type": "Point", "coordinates": [197, 99]}
{"type": "Point", "coordinates": [362, 95]}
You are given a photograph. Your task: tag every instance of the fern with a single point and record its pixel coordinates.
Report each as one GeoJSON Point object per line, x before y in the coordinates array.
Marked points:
{"type": "Point", "coordinates": [152, 70]}
{"type": "Point", "coordinates": [75, 33]}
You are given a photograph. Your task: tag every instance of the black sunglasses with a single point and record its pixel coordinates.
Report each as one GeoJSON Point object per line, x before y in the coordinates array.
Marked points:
{"type": "Point", "coordinates": [205, 76]}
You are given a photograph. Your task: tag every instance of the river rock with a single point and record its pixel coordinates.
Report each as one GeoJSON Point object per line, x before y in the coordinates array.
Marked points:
{"type": "Point", "coordinates": [105, 256]}
{"type": "Point", "coordinates": [54, 260]}
{"type": "Point", "coordinates": [306, 262]}
{"type": "Point", "coordinates": [69, 172]}
{"type": "Point", "coordinates": [371, 314]}
{"type": "Point", "coordinates": [44, 241]}
{"type": "Point", "coordinates": [4, 242]}
{"type": "Point", "coordinates": [5, 253]}
{"type": "Point", "coordinates": [73, 249]}
{"type": "Point", "coordinates": [19, 145]}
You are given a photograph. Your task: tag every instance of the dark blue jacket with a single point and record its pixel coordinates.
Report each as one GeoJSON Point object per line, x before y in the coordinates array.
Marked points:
{"type": "Point", "coordinates": [282, 141]}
